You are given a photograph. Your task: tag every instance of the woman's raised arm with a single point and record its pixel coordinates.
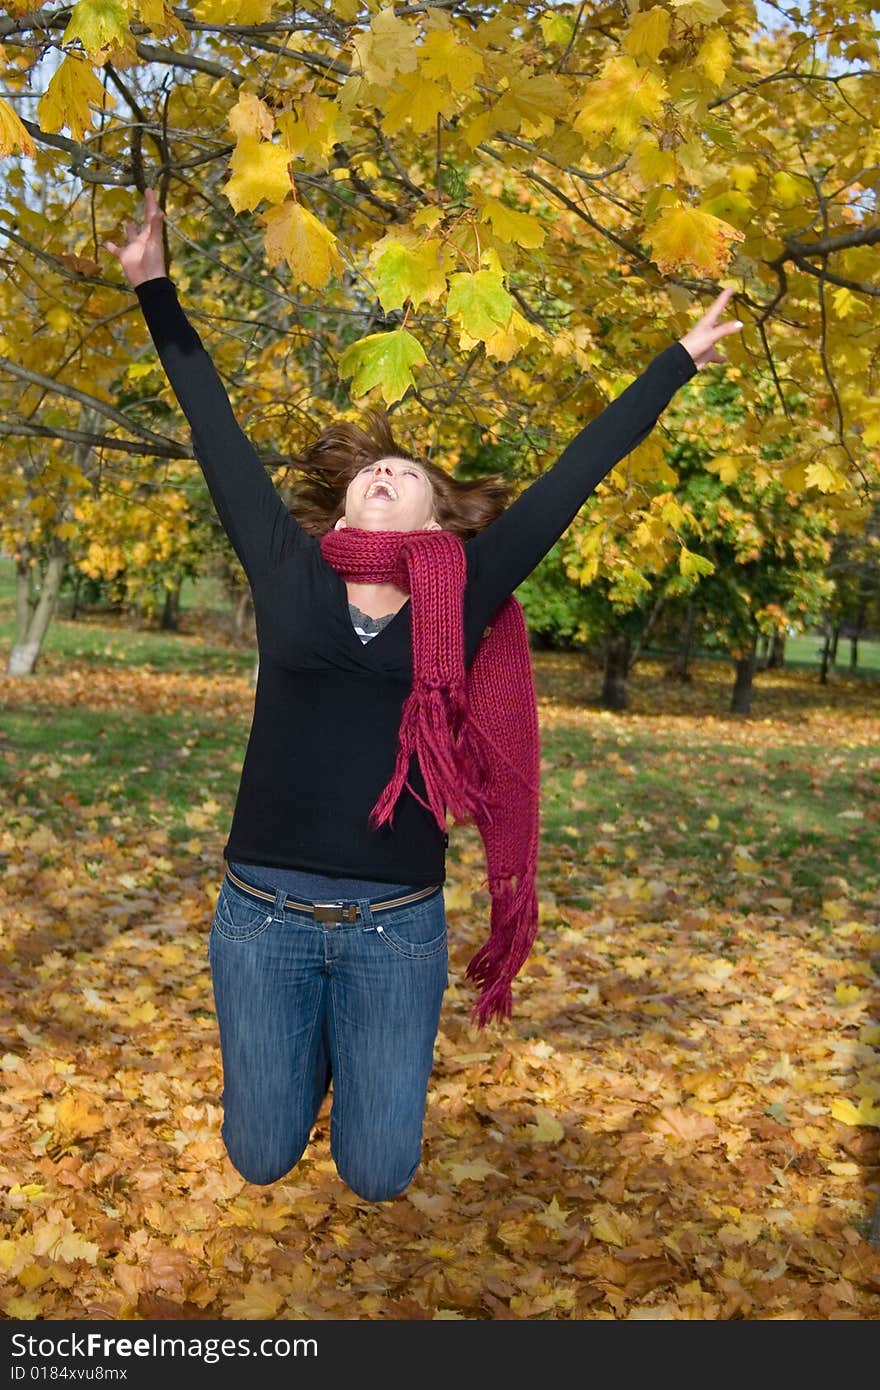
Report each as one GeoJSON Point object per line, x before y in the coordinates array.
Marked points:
{"type": "Point", "coordinates": [252, 513]}
{"type": "Point", "coordinates": [506, 552]}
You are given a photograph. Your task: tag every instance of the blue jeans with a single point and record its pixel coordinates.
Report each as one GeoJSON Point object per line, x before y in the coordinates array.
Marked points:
{"type": "Point", "coordinates": [300, 1002]}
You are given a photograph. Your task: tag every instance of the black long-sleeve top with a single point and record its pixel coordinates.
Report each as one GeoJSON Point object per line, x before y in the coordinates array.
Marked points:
{"type": "Point", "coordinates": [327, 708]}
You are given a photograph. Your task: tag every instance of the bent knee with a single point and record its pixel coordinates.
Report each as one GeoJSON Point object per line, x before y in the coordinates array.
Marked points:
{"type": "Point", "coordinates": [263, 1166]}
{"type": "Point", "coordinates": [377, 1187]}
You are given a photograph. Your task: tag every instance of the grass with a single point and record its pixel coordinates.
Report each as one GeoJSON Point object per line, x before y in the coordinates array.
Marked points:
{"type": "Point", "coordinates": [650, 799]}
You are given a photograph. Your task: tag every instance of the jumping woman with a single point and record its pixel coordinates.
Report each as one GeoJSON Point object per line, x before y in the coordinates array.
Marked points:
{"type": "Point", "coordinates": [394, 687]}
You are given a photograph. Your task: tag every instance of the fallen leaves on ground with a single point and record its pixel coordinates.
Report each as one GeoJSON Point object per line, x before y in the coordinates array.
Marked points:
{"type": "Point", "coordinates": [680, 1122]}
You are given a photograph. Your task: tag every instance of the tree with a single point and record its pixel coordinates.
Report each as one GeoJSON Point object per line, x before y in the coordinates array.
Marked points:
{"type": "Point", "coordinates": [494, 216]}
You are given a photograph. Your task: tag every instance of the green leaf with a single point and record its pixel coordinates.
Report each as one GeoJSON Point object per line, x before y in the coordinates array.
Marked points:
{"type": "Point", "coordinates": [479, 302]}
{"type": "Point", "coordinates": [99, 25]}
{"type": "Point", "coordinates": [384, 360]}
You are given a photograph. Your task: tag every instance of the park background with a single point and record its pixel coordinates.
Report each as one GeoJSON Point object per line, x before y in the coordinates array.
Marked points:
{"type": "Point", "coordinates": [487, 219]}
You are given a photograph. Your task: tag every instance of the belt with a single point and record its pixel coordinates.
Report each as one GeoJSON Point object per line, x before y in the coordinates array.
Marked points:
{"type": "Point", "coordinates": [334, 911]}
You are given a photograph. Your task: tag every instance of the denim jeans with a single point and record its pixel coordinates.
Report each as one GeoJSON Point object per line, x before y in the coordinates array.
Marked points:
{"type": "Point", "coordinates": [301, 1002]}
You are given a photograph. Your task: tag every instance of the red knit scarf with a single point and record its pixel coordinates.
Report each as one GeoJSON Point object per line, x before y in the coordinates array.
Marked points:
{"type": "Point", "coordinates": [475, 733]}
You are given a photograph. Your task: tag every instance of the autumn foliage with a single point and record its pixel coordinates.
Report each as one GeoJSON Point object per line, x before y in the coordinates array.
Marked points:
{"type": "Point", "coordinates": [488, 218]}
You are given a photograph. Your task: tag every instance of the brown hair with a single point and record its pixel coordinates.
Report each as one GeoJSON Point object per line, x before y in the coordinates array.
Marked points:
{"type": "Point", "coordinates": [327, 465]}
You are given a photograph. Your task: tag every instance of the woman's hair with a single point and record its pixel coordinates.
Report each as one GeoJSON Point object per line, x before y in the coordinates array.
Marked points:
{"type": "Point", "coordinates": [327, 466]}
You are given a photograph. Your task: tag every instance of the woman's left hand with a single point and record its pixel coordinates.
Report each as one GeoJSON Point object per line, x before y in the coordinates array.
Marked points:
{"type": "Point", "coordinates": [701, 339]}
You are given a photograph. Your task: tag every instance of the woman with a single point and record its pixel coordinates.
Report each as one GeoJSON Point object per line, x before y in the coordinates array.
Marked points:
{"type": "Point", "coordinates": [394, 684]}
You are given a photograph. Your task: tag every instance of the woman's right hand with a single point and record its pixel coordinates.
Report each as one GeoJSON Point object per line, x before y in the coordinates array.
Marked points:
{"type": "Point", "coordinates": [143, 255]}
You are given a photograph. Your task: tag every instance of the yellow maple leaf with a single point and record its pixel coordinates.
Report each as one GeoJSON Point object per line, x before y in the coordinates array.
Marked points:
{"type": "Point", "coordinates": [256, 1300]}
{"type": "Point", "coordinates": [295, 235]}
{"type": "Point", "coordinates": [847, 994]}
{"type": "Point", "coordinates": [408, 270]}
{"type": "Point", "coordinates": [554, 1218]}
{"type": "Point", "coordinates": [259, 171]}
{"type": "Point", "coordinates": [479, 302]}
{"type": "Point", "coordinates": [689, 562]}
{"type": "Point", "coordinates": [510, 225]}
{"type": "Point", "coordinates": [610, 1226]}
{"type": "Point", "coordinates": [617, 101]}
{"type": "Point", "coordinates": [59, 1240]}
{"type": "Point", "coordinates": [474, 1171]}
{"type": "Point", "coordinates": [417, 101]}
{"type": "Point", "coordinates": [714, 55]}
{"type": "Point", "coordinates": [27, 1307]}
{"type": "Point", "coordinates": [69, 96]}
{"type": "Point", "coordinates": [867, 1112]}
{"type": "Point", "coordinates": [251, 116]}
{"type": "Point", "coordinates": [313, 127]}
{"type": "Point", "coordinates": [648, 33]}
{"type": "Point", "coordinates": [143, 1013]}
{"type": "Point", "coordinates": [545, 1130]}
{"type": "Point", "coordinates": [388, 47]}
{"type": "Point", "coordinates": [77, 1116]}
{"type": "Point", "coordinates": [825, 479]}
{"type": "Point", "coordinates": [441, 55]}
{"type": "Point", "coordinates": [686, 236]}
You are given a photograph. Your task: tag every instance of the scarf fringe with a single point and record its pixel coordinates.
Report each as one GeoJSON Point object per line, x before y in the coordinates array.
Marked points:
{"type": "Point", "coordinates": [453, 756]}
{"type": "Point", "coordinates": [514, 926]}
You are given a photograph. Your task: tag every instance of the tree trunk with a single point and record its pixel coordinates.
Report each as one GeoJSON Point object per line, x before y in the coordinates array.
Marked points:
{"type": "Point", "coordinates": [741, 700]}
{"type": "Point", "coordinates": [677, 670]}
{"type": "Point", "coordinates": [776, 658]}
{"type": "Point", "coordinates": [244, 614]}
{"type": "Point", "coordinates": [77, 590]}
{"type": "Point", "coordinates": [859, 623]}
{"type": "Point", "coordinates": [835, 638]}
{"type": "Point", "coordinates": [646, 631]}
{"type": "Point", "coordinates": [826, 657]}
{"type": "Point", "coordinates": [34, 614]}
{"type": "Point", "coordinates": [615, 694]}
{"type": "Point", "coordinates": [170, 620]}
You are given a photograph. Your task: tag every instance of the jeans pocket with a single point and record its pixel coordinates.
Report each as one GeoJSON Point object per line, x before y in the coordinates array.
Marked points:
{"type": "Point", "coordinates": [238, 917]}
{"type": "Point", "coordinates": [417, 932]}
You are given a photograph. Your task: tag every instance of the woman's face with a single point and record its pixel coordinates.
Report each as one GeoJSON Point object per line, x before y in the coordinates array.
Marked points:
{"type": "Point", "coordinates": [391, 494]}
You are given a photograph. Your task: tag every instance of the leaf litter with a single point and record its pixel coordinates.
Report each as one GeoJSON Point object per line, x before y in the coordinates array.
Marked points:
{"type": "Point", "coordinates": [680, 1122]}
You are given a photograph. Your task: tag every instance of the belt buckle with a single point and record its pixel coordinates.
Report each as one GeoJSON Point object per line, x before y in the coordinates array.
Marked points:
{"type": "Point", "coordinates": [332, 914]}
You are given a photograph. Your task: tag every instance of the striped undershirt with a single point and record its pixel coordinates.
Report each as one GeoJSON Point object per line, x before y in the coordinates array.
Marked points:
{"type": "Point", "coordinates": [365, 626]}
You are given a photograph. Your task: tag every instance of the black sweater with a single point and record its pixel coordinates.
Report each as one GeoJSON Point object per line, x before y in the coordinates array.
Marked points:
{"type": "Point", "coordinates": [327, 707]}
